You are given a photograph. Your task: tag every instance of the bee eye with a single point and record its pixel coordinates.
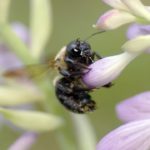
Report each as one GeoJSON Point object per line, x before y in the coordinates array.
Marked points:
{"type": "Point", "coordinates": [76, 50]}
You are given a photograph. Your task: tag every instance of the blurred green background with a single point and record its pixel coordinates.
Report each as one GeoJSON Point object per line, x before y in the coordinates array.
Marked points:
{"type": "Point", "coordinates": [74, 19]}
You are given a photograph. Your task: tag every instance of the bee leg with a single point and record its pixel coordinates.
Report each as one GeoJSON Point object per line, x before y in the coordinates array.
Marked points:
{"type": "Point", "coordinates": [64, 72]}
{"type": "Point", "coordinates": [97, 55]}
{"type": "Point", "coordinates": [79, 89]}
{"type": "Point", "coordinates": [79, 65]}
{"type": "Point", "coordinates": [67, 73]}
{"type": "Point", "coordinates": [108, 85]}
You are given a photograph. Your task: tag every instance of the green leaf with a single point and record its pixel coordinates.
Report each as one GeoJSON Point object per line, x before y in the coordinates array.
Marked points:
{"type": "Point", "coordinates": [32, 120]}
{"type": "Point", "coordinates": [41, 25]}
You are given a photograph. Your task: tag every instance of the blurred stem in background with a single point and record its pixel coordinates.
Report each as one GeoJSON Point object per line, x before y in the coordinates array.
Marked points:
{"type": "Point", "coordinates": [40, 30]}
{"type": "Point", "coordinates": [4, 10]}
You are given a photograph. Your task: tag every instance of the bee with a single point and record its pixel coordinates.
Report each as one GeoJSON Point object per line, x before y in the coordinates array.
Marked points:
{"type": "Point", "coordinates": [72, 63]}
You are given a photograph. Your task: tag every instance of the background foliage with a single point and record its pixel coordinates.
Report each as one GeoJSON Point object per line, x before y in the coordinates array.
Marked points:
{"type": "Point", "coordinates": [73, 19]}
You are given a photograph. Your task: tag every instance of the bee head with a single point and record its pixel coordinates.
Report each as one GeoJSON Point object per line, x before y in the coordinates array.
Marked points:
{"type": "Point", "coordinates": [78, 48]}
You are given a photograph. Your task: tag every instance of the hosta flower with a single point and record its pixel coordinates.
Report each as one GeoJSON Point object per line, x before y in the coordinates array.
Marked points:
{"type": "Point", "coordinates": [124, 11]}
{"type": "Point", "coordinates": [136, 134]}
{"type": "Point", "coordinates": [107, 69]}
{"type": "Point", "coordinates": [134, 108]}
{"type": "Point", "coordinates": [131, 136]}
{"type": "Point", "coordinates": [136, 30]}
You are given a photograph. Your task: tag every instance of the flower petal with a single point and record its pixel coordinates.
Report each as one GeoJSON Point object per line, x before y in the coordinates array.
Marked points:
{"type": "Point", "coordinates": [116, 4]}
{"type": "Point", "coordinates": [135, 30]}
{"type": "Point", "coordinates": [113, 19]}
{"type": "Point", "coordinates": [32, 120]}
{"type": "Point", "coordinates": [131, 136]}
{"type": "Point", "coordinates": [137, 8]}
{"type": "Point", "coordinates": [134, 108]}
{"type": "Point", "coordinates": [107, 69]}
{"type": "Point", "coordinates": [137, 45]}
{"type": "Point", "coordinates": [24, 142]}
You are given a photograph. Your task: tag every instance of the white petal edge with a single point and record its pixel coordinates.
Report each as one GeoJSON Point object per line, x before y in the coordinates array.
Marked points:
{"type": "Point", "coordinates": [137, 8]}
{"type": "Point", "coordinates": [137, 45]}
{"type": "Point", "coordinates": [116, 4]}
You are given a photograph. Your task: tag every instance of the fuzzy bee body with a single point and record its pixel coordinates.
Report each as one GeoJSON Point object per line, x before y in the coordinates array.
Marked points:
{"type": "Point", "coordinates": [72, 62]}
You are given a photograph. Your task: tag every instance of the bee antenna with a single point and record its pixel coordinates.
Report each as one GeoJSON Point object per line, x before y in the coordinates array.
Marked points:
{"type": "Point", "coordinates": [99, 32]}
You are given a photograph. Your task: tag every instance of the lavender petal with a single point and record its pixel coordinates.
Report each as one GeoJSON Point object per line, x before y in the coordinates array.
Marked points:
{"type": "Point", "coordinates": [134, 108]}
{"type": "Point", "coordinates": [135, 30]}
{"type": "Point", "coordinates": [131, 136]}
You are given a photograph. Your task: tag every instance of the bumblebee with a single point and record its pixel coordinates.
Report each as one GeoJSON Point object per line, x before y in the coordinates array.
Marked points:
{"type": "Point", "coordinates": [72, 63]}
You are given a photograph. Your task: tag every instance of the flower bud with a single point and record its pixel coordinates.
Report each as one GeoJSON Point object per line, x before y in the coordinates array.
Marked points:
{"type": "Point", "coordinates": [107, 69]}
{"type": "Point", "coordinates": [114, 19]}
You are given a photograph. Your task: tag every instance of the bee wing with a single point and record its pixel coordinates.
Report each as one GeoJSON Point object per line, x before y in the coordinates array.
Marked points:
{"type": "Point", "coordinates": [31, 71]}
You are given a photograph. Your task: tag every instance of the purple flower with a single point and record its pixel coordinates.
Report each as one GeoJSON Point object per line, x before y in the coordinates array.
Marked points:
{"type": "Point", "coordinates": [123, 12]}
{"type": "Point", "coordinates": [131, 136]}
{"type": "Point", "coordinates": [107, 69]}
{"type": "Point", "coordinates": [134, 108]}
{"type": "Point", "coordinates": [136, 30]}
{"type": "Point", "coordinates": [134, 135]}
